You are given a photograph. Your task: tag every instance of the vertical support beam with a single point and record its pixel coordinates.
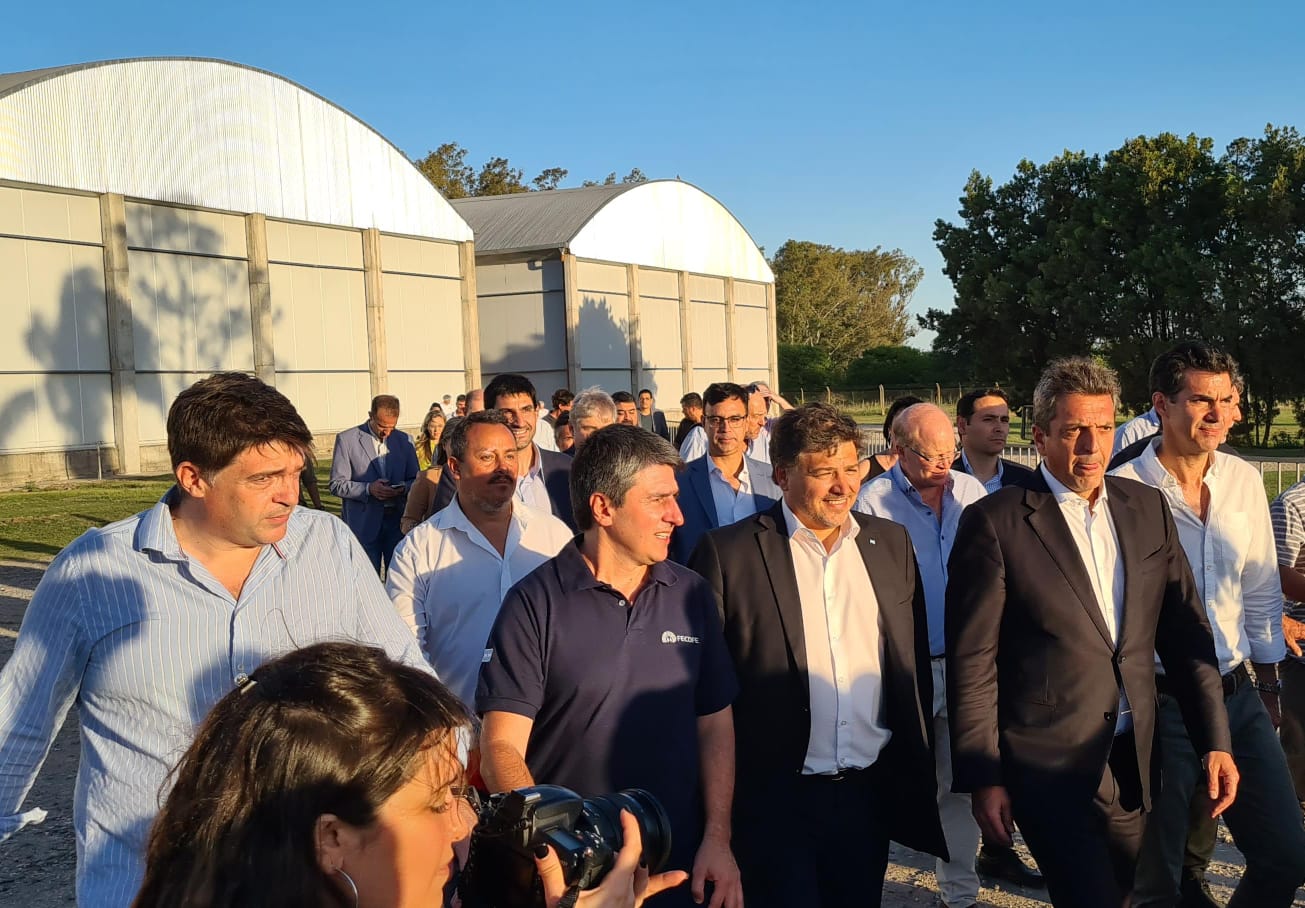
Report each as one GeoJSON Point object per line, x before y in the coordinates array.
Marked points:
{"type": "Point", "coordinates": [378, 360]}
{"type": "Point", "coordinates": [686, 334]}
{"type": "Point", "coordinates": [636, 329]}
{"type": "Point", "coordinates": [772, 325]}
{"type": "Point", "coordinates": [260, 298]}
{"type": "Point", "coordinates": [122, 345]}
{"type": "Point", "coordinates": [572, 296]}
{"type": "Point", "coordinates": [731, 360]}
{"type": "Point", "coordinates": [470, 315]}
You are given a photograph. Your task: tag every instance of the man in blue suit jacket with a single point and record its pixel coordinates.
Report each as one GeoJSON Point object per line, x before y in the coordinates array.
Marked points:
{"type": "Point", "coordinates": [724, 485]}
{"type": "Point", "coordinates": [372, 468]}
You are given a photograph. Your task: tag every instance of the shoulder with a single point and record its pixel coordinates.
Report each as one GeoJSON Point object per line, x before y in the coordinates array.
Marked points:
{"type": "Point", "coordinates": [1015, 470]}
{"type": "Point", "coordinates": [880, 527]}
{"type": "Point", "coordinates": [553, 461]}
{"type": "Point", "coordinates": [966, 488]}
{"type": "Point", "coordinates": [737, 536]}
{"type": "Point", "coordinates": [1135, 491]}
{"type": "Point", "coordinates": [540, 524]}
{"type": "Point", "coordinates": [877, 493]}
{"type": "Point", "coordinates": [1241, 471]}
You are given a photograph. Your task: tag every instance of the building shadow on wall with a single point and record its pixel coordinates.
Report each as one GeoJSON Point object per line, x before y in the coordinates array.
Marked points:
{"type": "Point", "coordinates": [69, 341]}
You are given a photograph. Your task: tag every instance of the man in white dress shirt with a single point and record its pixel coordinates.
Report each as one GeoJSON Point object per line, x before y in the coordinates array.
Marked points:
{"type": "Point", "coordinates": [451, 572]}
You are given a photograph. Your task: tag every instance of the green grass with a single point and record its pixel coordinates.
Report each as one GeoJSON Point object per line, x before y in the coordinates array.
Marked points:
{"type": "Point", "coordinates": [36, 523]}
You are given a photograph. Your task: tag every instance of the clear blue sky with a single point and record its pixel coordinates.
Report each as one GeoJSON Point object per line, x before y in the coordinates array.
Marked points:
{"type": "Point", "coordinates": [854, 124]}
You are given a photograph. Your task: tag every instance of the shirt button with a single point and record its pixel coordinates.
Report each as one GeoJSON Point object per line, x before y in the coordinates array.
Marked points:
{"type": "Point", "coordinates": [844, 722]}
{"type": "Point", "coordinates": [622, 603]}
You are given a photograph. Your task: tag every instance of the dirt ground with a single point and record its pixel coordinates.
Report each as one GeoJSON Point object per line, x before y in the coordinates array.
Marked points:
{"type": "Point", "coordinates": [36, 866]}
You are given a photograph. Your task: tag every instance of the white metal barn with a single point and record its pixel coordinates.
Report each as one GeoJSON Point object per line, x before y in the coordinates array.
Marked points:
{"type": "Point", "coordinates": [162, 219]}
{"type": "Point", "coordinates": [629, 286]}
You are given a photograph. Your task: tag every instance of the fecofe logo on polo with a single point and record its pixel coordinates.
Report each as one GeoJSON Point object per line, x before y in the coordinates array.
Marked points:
{"type": "Point", "coordinates": [672, 637]}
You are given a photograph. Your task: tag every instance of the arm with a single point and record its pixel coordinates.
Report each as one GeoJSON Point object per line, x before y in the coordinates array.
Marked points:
{"type": "Point", "coordinates": [1262, 599]}
{"type": "Point", "coordinates": [503, 740]}
{"type": "Point", "coordinates": [714, 860]}
{"type": "Point", "coordinates": [1289, 537]}
{"type": "Point", "coordinates": [342, 484]}
{"type": "Point", "coordinates": [407, 579]}
{"type": "Point", "coordinates": [408, 469]}
{"type": "Point", "coordinates": [695, 444]}
{"type": "Point", "coordinates": [309, 478]}
{"type": "Point", "coordinates": [420, 497]}
{"type": "Point", "coordinates": [379, 624]}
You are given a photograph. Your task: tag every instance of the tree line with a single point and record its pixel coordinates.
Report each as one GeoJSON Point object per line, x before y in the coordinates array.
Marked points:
{"type": "Point", "coordinates": [447, 169]}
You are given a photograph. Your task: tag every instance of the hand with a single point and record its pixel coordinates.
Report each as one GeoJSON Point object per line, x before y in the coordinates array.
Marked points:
{"type": "Point", "coordinates": [991, 808]}
{"type": "Point", "coordinates": [1273, 706]}
{"type": "Point", "coordinates": [1222, 777]}
{"type": "Point", "coordinates": [715, 862]}
{"type": "Point", "coordinates": [379, 488]}
{"type": "Point", "coordinates": [1293, 632]}
{"type": "Point", "coordinates": [626, 885]}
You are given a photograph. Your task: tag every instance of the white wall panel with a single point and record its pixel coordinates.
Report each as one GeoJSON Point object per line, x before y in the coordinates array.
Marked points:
{"type": "Point", "coordinates": [659, 330]}
{"type": "Point", "coordinates": [747, 293]}
{"type": "Point", "coordinates": [609, 380]}
{"type": "Point", "coordinates": [215, 135]}
{"type": "Point", "coordinates": [667, 386]}
{"type": "Point", "coordinates": [190, 313]}
{"type": "Point", "coordinates": [416, 391]}
{"type": "Point", "coordinates": [412, 256]}
{"type": "Point", "coordinates": [519, 277]}
{"type": "Point", "coordinates": [49, 215]}
{"type": "Point", "coordinates": [155, 392]}
{"type": "Point", "coordinates": [704, 377]}
{"type": "Point", "coordinates": [328, 401]}
{"type": "Point", "coordinates": [603, 332]}
{"type": "Point", "coordinates": [53, 297]}
{"type": "Point", "coordinates": [708, 337]}
{"type": "Point", "coordinates": [423, 323]}
{"type": "Point", "coordinates": [751, 338]}
{"type": "Point", "coordinates": [319, 319]}
{"type": "Point", "coordinates": [706, 289]}
{"type": "Point", "coordinates": [595, 277]}
{"type": "Point", "coordinates": [522, 332]}
{"type": "Point", "coordinates": [663, 284]}
{"type": "Point", "coordinates": [185, 230]}
{"type": "Point", "coordinates": [42, 411]}
{"type": "Point", "coordinates": [310, 244]}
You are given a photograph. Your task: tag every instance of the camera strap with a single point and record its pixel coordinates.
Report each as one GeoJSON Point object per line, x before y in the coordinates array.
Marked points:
{"type": "Point", "coordinates": [569, 897]}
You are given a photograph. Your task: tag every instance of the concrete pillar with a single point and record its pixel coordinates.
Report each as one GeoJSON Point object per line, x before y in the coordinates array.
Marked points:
{"type": "Point", "coordinates": [635, 329]}
{"type": "Point", "coordinates": [686, 334]}
{"type": "Point", "coordinates": [731, 361]}
{"type": "Point", "coordinates": [377, 358]}
{"type": "Point", "coordinates": [772, 324]}
{"type": "Point", "coordinates": [260, 298]}
{"type": "Point", "coordinates": [122, 346]}
{"type": "Point", "coordinates": [572, 292]}
{"type": "Point", "coordinates": [470, 315]}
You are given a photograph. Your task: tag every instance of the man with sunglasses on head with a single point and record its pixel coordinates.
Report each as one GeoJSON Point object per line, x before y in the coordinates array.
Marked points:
{"type": "Point", "coordinates": [926, 496]}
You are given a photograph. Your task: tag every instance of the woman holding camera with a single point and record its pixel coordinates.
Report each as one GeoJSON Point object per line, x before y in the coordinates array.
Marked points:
{"type": "Point", "coordinates": [332, 777]}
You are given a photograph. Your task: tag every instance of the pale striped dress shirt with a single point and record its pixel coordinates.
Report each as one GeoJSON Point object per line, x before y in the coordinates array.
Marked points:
{"type": "Point", "coordinates": [146, 640]}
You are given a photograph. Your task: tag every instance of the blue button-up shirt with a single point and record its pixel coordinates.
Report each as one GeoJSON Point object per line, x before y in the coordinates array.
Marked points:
{"type": "Point", "coordinates": [146, 641]}
{"type": "Point", "coordinates": [892, 496]}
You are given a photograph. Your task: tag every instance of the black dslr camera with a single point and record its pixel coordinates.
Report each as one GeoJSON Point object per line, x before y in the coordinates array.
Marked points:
{"type": "Point", "coordinates": [585, 833]}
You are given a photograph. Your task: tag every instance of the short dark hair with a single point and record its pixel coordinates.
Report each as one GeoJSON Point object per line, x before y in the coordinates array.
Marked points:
{"type": "Point", "coordinates": [456, 440]}
{"type": "Point", "coordinates": [808, 429]}
{"type": "Point", "coordinates": [331, 728]}
{"type": "Point", "coordinates": [215, 419]}
{"type": "Point", "coordinates": [1169, 371]}
{"type": "Point", "coordinates": [692, 399]}
{"type": "Point", "coordinates": [894, 408]}
{"type": "Point", "coordinates": [387, 402]}
{"type": "Point", "coordinates": [1071, 375]}
{"type": "Point", "coordinates": [622, 397]}
{"type": "Point", "coordinates": [965, 406]}
{"type": "Point", "coordinates": [720, 391]}
{"type": "Point", "coordinates": [562, 397]}
{"type": "Point", "coordinates": [461, 399]}
{"type": "Point", "coordinates": [643, 391]}
{"type": "Point", "coordinates": [563, 419]}
{"type": "Point", "coordinates": [507, 384]}
{"type": "Point", "coordinates": [608, 462]}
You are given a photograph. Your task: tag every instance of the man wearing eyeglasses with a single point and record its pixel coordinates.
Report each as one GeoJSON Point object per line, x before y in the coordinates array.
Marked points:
{"type": "Point", "coordinates": [724, 485]}
{"type": "Point", "coordinates": [925, 495]}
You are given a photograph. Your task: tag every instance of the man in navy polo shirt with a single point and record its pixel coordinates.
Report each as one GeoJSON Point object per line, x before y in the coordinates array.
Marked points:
{"type": "Point", "coordinates": [607, 668]}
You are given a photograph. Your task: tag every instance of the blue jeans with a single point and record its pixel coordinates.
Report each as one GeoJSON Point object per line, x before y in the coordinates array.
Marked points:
{"type": "Point", "coordinates": [1265, 819]}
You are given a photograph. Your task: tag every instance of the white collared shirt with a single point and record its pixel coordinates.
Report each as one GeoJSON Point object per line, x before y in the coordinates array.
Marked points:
{"type": "Point", "coordinates": [1232, 554]}
{"type": "Point", "coordinates": [1093, 530]}
{"type": "Point", "coordinates": [447, 582]}
{"type": "Point", "coordinates": [759, 447]}
{"type": "Point", "coordinates": [694, 444]}
{"type": "Point", "coordinates": [732, 504]}
{"type": "Point", "coordinates": [840, 626]}
{"type": "Point", "coordinates": [531, 489]}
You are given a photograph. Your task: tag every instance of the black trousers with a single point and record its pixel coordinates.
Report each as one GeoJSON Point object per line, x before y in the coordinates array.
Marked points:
{"type": "Point", "coordinates": [820, 843]}
{"type": "Point", "coordinates": [1086, 848]}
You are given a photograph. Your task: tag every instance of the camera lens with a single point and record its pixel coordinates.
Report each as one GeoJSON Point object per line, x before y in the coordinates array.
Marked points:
{"type": "Point", "coordinates": [654, 826]}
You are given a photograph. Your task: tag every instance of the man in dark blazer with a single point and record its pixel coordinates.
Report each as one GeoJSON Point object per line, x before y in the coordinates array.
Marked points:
{"type": "Point", "coordinates": [543, 477]}
{"type": "Point", "coordinates": [825, 620]}
{"type": "Point", "coordinates": [372, 468]}
{"type": "Point", "coordinates": [983, 424]}
{"type": "Point", "coordinates": [1059, 594]}
{"type": "Point", "coordinates": [650, 417]}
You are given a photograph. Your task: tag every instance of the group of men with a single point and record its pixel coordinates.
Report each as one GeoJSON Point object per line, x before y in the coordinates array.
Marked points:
{"type": "Point", "coordinates": [800, 665]}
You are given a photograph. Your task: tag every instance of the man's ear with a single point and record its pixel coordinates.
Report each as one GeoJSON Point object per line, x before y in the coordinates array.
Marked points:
{"type": "Point", "coordinates": [454, 467]}
{"type": "Point", "coordinates": [1039, 439]}
{"type": "Point", "coordinates": [190, 480]}
{"type": "Point", "coordinates": [602, 509]}
{"type": "Point", "coordinates": [780, 475]}
{"type": "Point", "coordinates": [335, 841]}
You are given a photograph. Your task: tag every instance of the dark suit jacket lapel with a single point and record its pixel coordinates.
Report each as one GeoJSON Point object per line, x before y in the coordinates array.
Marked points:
{"type": "Point", "coordinates": [1049, 524]}
{"type": "Point", "coordinates": [1123, 512]}
{"type": "Point", "coordinates": [701, 486]}
{"type": "Point", "coordinates": [772, 538]}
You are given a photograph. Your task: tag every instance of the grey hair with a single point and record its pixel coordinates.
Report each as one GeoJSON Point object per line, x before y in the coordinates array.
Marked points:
{"type": "Point", "coordinates": [608, 462]}
{"type": "Point", "coordinates": [456, 441]}
{"type": "Point", "coordinates": [591, 401]}
{"type": "Point", "coordinates": [1071, 375]}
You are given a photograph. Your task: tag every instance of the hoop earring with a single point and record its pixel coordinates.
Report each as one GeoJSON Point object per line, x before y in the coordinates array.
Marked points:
{"type": "Point", "coordinates": [352, 886]}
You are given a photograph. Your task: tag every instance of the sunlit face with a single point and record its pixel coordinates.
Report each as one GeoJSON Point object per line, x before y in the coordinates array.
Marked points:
{"type": "Point", "coordinates": [821, 487]}
{"type": "Point", "coordinates": [487, 474]}
{"type": "Point", "coordinates": [1076, 446]}
{"type": "Point", "coordinates": [926, 450]}
{"type": "Point", "coordinates": [727, 426]}
{"type": "Point", "coordinates": [592, 422]}
{"type": "Point", "coordinates": [521, 415]}
{"type": "Point", "coordinates": [645, 402]}
{"type": "Point", "coordinates": [986, 431]}
{"type": "Point", "coordinates": [1198, 418]}
{"type": "Point", "coordinates": [564, 437]}
{"type": "Point", "coordinates": [626, 413]}
{"type": "Point", "coordinates": [382, 423]}
{"type": "Point", "coordinates": [693, 412]}
{"type": "Point", "coordinates": [407, 858]}
{"type": "Point", "coordinates": [757, 409]}
{"type": "Point", "coordinates": [435, 428]}
{"type": "Point", "coordinates": [461, 408]}
{"type": "Point", "coordinates": [640, 528]}
{"type": "Point", "coordinates": [248, 502]}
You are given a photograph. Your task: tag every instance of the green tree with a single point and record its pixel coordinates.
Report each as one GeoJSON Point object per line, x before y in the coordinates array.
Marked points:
{"type": "Point", "coordinates": [806, 367]}
{"type": "Point", "coordinates": [549, 179]}
{"type": "Point", "coordinates": [447, 169]}
{"type": "Point", "coordinates": [498, 177]}
{"type": "Point", "coordinates": [895, 366]}
{"type": "Point", "coordinates": [842, 301]}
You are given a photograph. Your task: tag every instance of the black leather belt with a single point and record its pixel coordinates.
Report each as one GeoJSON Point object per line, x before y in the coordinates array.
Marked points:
{"type": "Point", "coordinates": [1231, 682]}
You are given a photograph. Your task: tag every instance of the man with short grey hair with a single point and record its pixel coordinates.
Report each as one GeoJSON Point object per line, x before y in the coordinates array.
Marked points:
{"type": "Point", "coordinates": [607, 666]}
{"type": "Point", "coordinates": [592, 409]}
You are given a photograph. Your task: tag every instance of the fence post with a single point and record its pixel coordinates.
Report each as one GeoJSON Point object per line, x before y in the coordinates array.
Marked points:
{"type": "Point", "coordinates": [883, 408]}
{"type": "Point", "coordinates": [937, 393]}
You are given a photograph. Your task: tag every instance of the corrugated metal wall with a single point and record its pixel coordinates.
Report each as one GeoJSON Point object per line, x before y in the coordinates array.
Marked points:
{"type": "Point", "coordinates": [523, 322]}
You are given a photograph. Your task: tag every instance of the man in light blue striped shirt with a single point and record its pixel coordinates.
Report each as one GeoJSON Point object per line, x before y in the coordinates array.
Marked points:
{"type": "Point", "coordinates": [148, 622]}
